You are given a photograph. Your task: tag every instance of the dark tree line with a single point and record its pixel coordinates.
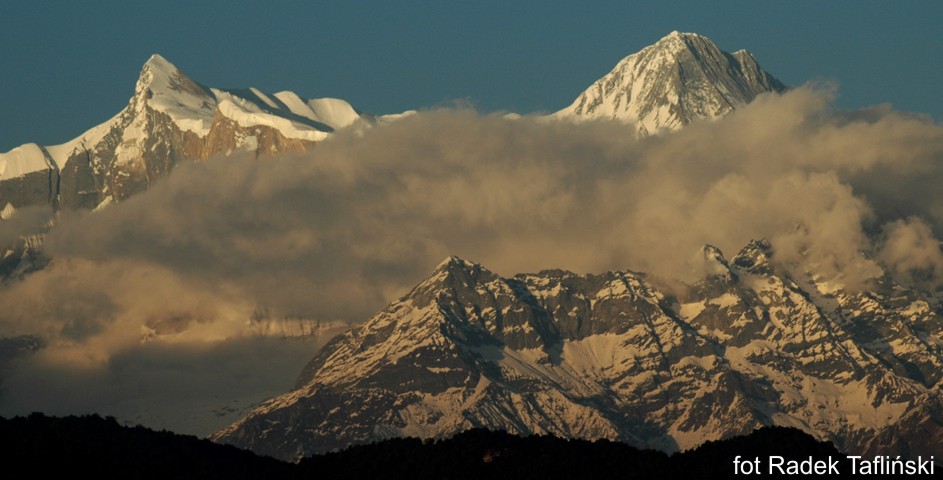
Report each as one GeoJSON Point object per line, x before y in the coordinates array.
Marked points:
{"type": "Point", "coordinates": [54, 447]}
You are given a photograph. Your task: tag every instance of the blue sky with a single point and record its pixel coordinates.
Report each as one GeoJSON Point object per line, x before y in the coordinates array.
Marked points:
{"type": "Point", "coordinates": [67, 66]}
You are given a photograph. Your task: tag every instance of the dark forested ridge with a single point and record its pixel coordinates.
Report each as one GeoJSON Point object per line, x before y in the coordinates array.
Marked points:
{"type": "Point", "coordinates": [101, 446]}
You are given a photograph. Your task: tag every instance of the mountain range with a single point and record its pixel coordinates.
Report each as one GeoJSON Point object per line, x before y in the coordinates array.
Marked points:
{"type": "Point", "coordinates": [615, 355]}
{"type": "Point", "coordinates": [171, 119]}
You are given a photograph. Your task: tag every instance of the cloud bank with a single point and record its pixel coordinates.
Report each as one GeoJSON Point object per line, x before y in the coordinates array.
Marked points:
{"type": "Point", "coordinates": [337, 233]}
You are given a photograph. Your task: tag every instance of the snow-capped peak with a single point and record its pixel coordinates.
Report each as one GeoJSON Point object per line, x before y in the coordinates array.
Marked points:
{"type": "Point", "coordinates": [160, 77]}
{"type": "Point", "coordinates": [158, 65]}
{"type": "Point", "coordinates": [678, 39]}
{"type": "Point", "coordinates": [682, 78]}
{"type": "Point", "coordinates": [166, 89]}
{"type": "Point", "coordinates": [453, 262]}
{"type": "Point", "coordinates": [170, 119]}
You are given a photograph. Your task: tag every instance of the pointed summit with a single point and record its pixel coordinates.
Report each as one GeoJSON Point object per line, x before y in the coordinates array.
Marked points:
{"type": "Point", "coordinates": [755, 257]}
{"type": "Point", "coordinates": [682, 78]}
{"type": "Point", "coordinates": [163, 77]}
{"type": "Point", "coordinates": [682, 39]}
{"type": "Point", "coordinates": [157, 61]}
{"type": "Point", "coordinates": [452, 274]}
{"type": "Point", "coordinates": [170, 119]}
{"type": "Point", "coordinates": [455, 263]}
{"type": "Point", "coordinates": [166, 89]}
{"type": "Point", "coordinates": [157, 73]}
{"type": "Point", "coordinates": [713, 255]}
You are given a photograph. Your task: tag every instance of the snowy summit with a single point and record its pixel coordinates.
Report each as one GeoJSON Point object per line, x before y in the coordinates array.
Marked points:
{"type": "Point", "coordinates": [682, 78]}
{"type": "Point", "coordinates": [169, 119]}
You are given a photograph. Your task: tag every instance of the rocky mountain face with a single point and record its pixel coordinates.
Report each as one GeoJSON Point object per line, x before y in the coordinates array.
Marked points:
{"type": "Point", "coordinates": [170, 119]}
{"type": "Point", "coordinates": [613, 356]}
{"type": "Point", "coordinates": [682, 78]}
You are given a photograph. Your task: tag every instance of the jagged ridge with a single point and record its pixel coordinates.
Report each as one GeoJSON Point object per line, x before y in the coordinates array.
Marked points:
{"type": "Point", "coordinates": [170, 119]}
{"type": "Point", "coordinates": [612, 356]}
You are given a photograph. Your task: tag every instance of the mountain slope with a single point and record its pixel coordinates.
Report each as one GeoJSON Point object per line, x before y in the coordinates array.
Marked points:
{"type": "Point", "coordinates": [682, 78]}
{"type": "Point", "coordinates": [170, 119]}
{"type": "Point", "coordinates": [612, 356]}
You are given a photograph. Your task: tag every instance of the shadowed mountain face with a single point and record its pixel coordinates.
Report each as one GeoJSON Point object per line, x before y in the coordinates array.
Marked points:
{"type": "Point", "coordinates": [613, 356]}
{"type": "Point", "coordinates": [682, 78]}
